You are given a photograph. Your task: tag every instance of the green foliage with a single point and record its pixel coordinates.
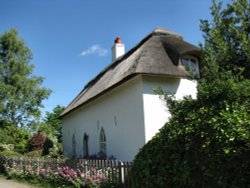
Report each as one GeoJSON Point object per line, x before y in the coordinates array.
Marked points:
{"type": "Point", "coordinates": [7, 147]}
{"type": "Point", "coordinates": [227, 43]}
{"type": "Point", "coordinates": [109, 184]}
{"type": "Point", "coordinates": [226, 54]}
{"type": "Point", "coordinates": [206, 143]}
{"type": "Point", "coordinates": [10, 153]}
{"type": "Point", "coordinates": [47, 145]}
{"type": "Point", "coordinates": [52, 148]}
{"type": "Point", "coordinates": [17, 140]}
{"type": "Point", "coordinates": [35, 153]}
{"type": "Point", "coordinates": [52, 127]}
{"type": "Point", "coordinates": [52, 124]}
{"type": "Point", "coordinates": [199, 147]}
{"type": "Point", "coordinates": [15, 136]}
{"type": "Point", "coordinates": [21, 93]}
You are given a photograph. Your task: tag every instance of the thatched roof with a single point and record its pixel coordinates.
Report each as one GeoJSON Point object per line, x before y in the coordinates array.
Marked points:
{"type": "Point", "coordinates": [157, 54]}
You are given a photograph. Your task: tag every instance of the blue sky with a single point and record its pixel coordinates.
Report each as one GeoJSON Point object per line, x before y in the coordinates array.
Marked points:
{"type": "Point", "coordinates": [71, 40]}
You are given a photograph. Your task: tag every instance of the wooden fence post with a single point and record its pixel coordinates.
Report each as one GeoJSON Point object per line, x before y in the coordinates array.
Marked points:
{"type": "Point", "coordinates": [121, 173]}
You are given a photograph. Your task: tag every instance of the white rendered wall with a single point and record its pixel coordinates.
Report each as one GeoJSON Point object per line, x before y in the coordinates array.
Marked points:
{"type": "Point", "coordinates": [155, 110]}
{"type": "Point", "coordinates": [119, 112]}
{"type": "Point", "coordinates": [130, 114]}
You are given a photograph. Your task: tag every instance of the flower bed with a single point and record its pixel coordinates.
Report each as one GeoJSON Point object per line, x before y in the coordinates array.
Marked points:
{"type": "Point", "coordinates": [61, 175]}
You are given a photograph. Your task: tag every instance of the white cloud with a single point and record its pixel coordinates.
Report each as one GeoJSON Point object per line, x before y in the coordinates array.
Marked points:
{"type": "Point", "coordinates": [95, 49]}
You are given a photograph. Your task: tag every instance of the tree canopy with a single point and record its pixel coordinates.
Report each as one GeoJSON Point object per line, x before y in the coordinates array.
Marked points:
{"type": "Point", "coordinates": [21, 92]}
{"type": "Point", "coordinates": [206, 143]}
{"type": "Point", "coordinates": [52, 124]}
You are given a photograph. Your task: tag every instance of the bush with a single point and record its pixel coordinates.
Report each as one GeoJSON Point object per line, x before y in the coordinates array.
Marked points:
{"type": "Point", "coordinates": [199, 147]}
{"type": "Point", "coordinates": [48, 144]}
{"type": "Point", "coordinates": [36, 153]}
{"type": "Point", "coordinates": [11, 135]}
{"type": "Point", "coordinates": [9, 153]}
{"type": "Point", "coordinates": [207, 141]}
{"type": "Point", "coordinates": [8, 147]}
{"type": "Point", "coordinates": [37, 141]}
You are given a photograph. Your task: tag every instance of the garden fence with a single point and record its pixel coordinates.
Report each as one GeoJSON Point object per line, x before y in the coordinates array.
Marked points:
{"type": "Point", "coordinates": [118, 171]}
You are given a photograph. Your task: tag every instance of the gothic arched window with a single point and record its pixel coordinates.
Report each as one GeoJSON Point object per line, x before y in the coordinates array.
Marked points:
{"type": "Point", "coordinates": [73, 146]}
{"type": "Point", "coordinates": [85, 145]}
{"type": "Point", "coordinates": [102, 141]}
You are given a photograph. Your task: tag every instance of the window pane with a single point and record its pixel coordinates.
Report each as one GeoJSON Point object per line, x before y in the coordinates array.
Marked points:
{"type": "Point", "coordinates": [102, 141]}
{"type": "Point", "coordinates": [73, 145]}
{"type": "Point", "coordinates": [193, 60]}
{"type": "Point", "coordinates": [191, 64]}
{"type": "Point", "coordinates": [85, 145]}
{"type": "Point", "coordinates": [184, 62]}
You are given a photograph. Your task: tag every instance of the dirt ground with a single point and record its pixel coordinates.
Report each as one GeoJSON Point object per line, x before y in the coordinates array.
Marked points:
{"type": "Point", "coordinates": [13, 184]}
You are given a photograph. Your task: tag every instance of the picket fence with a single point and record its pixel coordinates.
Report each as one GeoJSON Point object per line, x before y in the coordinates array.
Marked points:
{"type": "Point", "coordinates": [119, 171]}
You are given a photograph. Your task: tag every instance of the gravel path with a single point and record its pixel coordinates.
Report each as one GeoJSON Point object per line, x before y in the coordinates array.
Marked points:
{"type": "Point", "coordinates": [13, 184]}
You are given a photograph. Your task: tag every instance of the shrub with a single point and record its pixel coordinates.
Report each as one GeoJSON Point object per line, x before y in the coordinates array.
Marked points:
{"type": "Point", "coordinates": [207, 141]}
{"type": "Point", "coordinates": [198, 149]}
{"type": "Point", "coordinates": [8, 147]}
{"type": "Point", "coordinates": [36, 153]}
{"type": "Point", "coordinates": [10, 153]}
{"type": "Point", "coordinates": [48, 144]}
{"type": "Point", "coordinates": [37, 141]}
{"type": "Point", "coordinates": [11, 135]}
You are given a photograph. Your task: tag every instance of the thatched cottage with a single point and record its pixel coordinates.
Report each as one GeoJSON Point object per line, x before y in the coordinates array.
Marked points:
{"type": "Point", "coordinates": [118, 111]}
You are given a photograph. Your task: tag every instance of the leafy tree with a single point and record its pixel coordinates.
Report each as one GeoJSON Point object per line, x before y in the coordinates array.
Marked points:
{"type": "Point", "coordinates": [226, 54]}
{"type": "Point", "coordinates": [206, 143]}
{"type": "Point", "coordinates": [21, 93]}
{"type": "Point", "coordinates": [52, 124]}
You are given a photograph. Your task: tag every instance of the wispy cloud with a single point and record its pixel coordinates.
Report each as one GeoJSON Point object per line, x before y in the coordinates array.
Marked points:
{"type": "Point", "coordinates": [95, 49]}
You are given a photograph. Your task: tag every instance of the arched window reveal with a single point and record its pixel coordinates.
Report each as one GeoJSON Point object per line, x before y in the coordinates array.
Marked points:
{"type": "Point", "coordinates": [102, 142]}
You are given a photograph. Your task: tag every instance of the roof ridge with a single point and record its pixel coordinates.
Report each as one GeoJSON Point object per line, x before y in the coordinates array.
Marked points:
{"type": "Point", "coordinates": [113, 64]}
{"type": "Point", "coordinates": [165, 31]}
{"type": "Point", "coordinates": [118, 60]}
{"type": "Point", "coordinates": [156, 31]}
{"type": "Point", "coordinates": [159, 43]}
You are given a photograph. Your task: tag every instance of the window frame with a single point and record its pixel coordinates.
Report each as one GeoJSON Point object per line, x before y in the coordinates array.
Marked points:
{"type": "Point", "coordinates": [192, 64]}
{"type": "Point", "coordinates": [85, 145]}
{"type": "Point", "coordinates": [102, 142]}
{"type": "Point", "coordinates": [73, 146]}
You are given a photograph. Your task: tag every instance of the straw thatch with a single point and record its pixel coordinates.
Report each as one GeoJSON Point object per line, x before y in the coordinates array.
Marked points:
{"type": "Point", "coordinates": [158, 54]}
